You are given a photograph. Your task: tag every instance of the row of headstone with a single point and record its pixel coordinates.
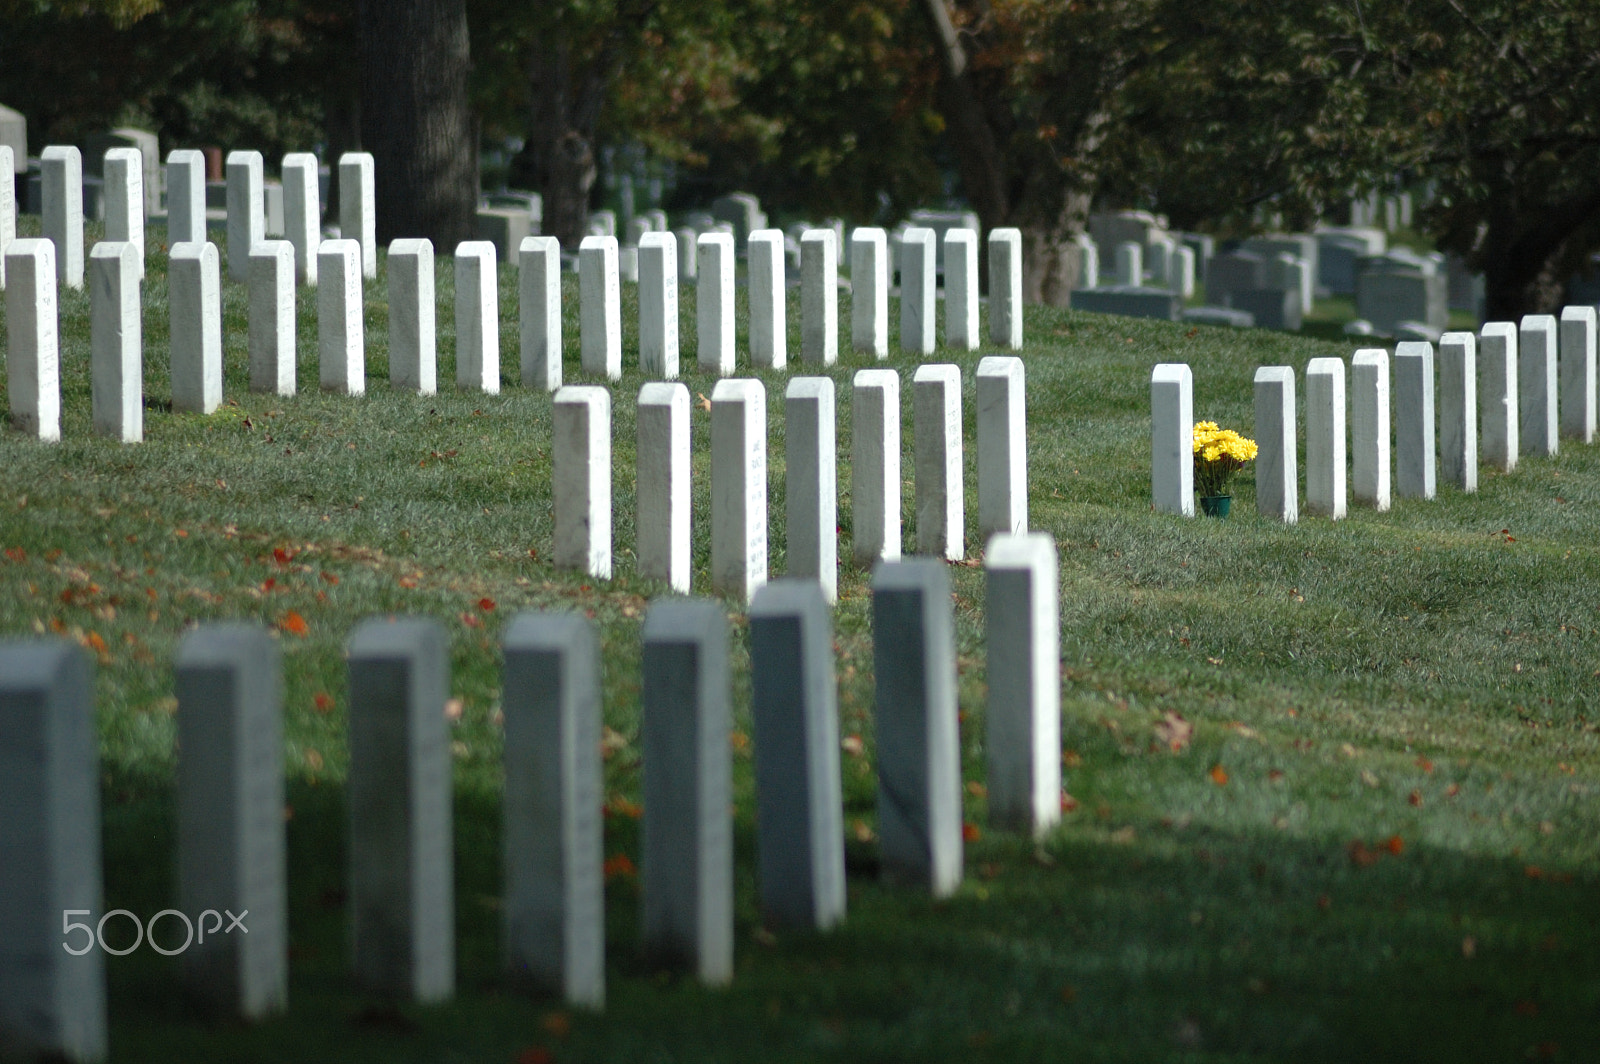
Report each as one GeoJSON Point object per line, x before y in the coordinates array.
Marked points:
{"type": "Point", "coordinates": [230, 824]}
{"type": "Point", "coordinates": [1437, 400]}
{"type": "Point", "coordinates": [582, 474]}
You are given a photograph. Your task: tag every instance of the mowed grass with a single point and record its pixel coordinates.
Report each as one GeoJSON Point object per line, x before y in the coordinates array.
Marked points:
{"type": "Point", "coordinates": [1382, 841]}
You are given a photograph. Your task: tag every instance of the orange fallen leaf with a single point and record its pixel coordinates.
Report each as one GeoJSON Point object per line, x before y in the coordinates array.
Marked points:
{"type": "Point", "coordinates": [738, 741]}
{"type": "Point", "coordinates": [281, 556]}
{"type": "Point", "coordinates": [970, 832]}
{"type": "Point", "coordinates": [1069, 804]}
{"type": "Point", "coordinates": [619, 864]}
{"type": "Point", "coordinates": [862, 832]}
{"type": "Point", "coordinates": [1533, 871]}
{"type": "Point", "coordinates": [330, 578]}
{"type": "Point", "coordinates": [1452, 790]}
{"type": "Point", "coordinates": [407, 583]}
{"type": "Point", "coordinates": [1424, 764]}
{"type": "Point", "coordinates": [323, 701]}
{"type": "Point", "coordinates": [1219, 775]}
{"type": "Point", "coordinates": [486, 604]}
{"type": "Point", "coordinates": [1416, 798]}
{"type": "Point", "coordinates": [1275, 775]}
{"type": "Point", "coordinates": [470, 620]}
{"type": "Point", "coordinates": [294, 624]}
{"type": "Point", "coordinates": [268, 584]}
{"type": "Point", "coordinates": [1395, 845]}
{"type": "Point", "coordinates": [1360, 855]}
{"type": "Point", "coordinates": [620, 806]}
{"type": "Point", "coordinates": [94, 642]}
{"type": "Point", "coordinates": [977, 790]}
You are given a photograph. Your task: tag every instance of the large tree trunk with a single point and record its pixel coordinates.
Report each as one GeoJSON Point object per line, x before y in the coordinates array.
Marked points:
{"type": "Point", "coordinates": [558, 158]}
{"type": "Point", "coordinates": [415, 120]}
{"type": "Point", "coordinates": [1522, 258]}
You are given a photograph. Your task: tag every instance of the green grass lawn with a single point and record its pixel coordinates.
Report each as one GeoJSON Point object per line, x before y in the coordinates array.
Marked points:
{"type": "Point", "coordinates": [1381, 842]}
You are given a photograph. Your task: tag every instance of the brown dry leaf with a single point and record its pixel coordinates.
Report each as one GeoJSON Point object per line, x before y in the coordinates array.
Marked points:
{"type": "Point", "coordinates": [294, 624]}
{"type": "Point", "coordinates": [977, 790]}
{"type": "Point", "coordinates": [314, 760]}
{"type": "Point", "coordinates": [862, 832]}
{"type": "Point", "coordinates": [853, 745]}
{"type": "Point", "coordinates": [1173, 732]}
{"type": "Point", "coordinates": [611, 741]}
{"type": "Point", "coordinates": [1219, 775]}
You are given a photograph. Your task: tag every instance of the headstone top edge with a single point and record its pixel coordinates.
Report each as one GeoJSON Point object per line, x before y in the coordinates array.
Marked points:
{"type": "Point", "coordinates": [809, 388]}
{"type": "Point", "coordinates": [222, 642]}
{"type": "Point", "coordinates": [411, 245]}
{"type": "Point", "coordinates": [1274, 374]}
{"type": "Point", "coordinates": [663, 393]}
{"type": "Point", "coordinates": [1326, 364]}
{"type": "Point", "coordinates": [788, 596]}
{"type": "Point", "coordinates": [598, 243]}
{"type": "Point", "coordinates": [582, 395]}
{"type": "Point", "coordinates": [911, 574]}
{"type": "Point", "coordinates": [938, 373]}
{"type": "Point", "coordinates": [684, 620]}
{"type": "Point", "coordinates": [999, 366]}
{"type": "Point", "coordinates": [1413, 349]}
{"type": "Point", "coordinates": [1578, 313]}
{"type": "Point", "coordinates": [1171, 371]}
{"type": "Point", "coordinates": [737, 389]}
{"type": "Point", "coordinates": [548, 630]}
{"type": "Point", "coordinates": [27, 663]}
{"type": "Point", "coordinates": [875, 378]}
{"type": "Point", "coordinates": [475, 249]}
{"type": "Point", "coordinates": [386, 637]}
{"type": "Point", "coordinates": [1019, 550]}
{"type": "Point", "coordinates": [539, 244]}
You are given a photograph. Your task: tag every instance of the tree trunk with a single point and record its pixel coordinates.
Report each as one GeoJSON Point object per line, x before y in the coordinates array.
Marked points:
{"type": "Point", "coordinates": [558, 158]}
{"type": "Point", "coordinates": [415, 120]}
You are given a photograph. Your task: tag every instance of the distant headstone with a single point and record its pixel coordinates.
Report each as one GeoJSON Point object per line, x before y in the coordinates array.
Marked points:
{"type": "Point", "coordinates": [1233, 271]}
{"type": "Point", "coordinates": [506, 228]}
{"type": "Point", "coordinates": [14, 135]}
{"type": "Point", "coordinates": [1088, 255]}
{"type": "Point", "coordinates": [603, 223]}
{"type": "Point", "coordinates": [769, 328]}
{"type": "Point", "coordinates": [686, 892]}
{"type": "Point", "coordinates": [1578, 373]}
{"type": "Point", "coordinates": [8, 209]}
{"type": "Point", "coordinates": [477, 317]}
{"type": "Point", "coordinates": [1497, 393]}
{"type": "Point", "coordinates": [398, 791]}
{"type": "Point", "coordinates": [919, 758]}
{"type": "Point", "coordinates": [961, 289]}
{"type": "Point", "coordinates": [358, 212]}
{"type": "Point", "coordinates": [341, 341]}
{"type": "Point", "coordinates": [194, 301]}
{"type": "Point", "coordinates": [1536, 384]}
{"type": "Point", "coordinates": [272, 317]}
{"type": "Point", "coordinates": [875, 465]}
{"type": "Point", "coordinates": [1415, 460]}
{"type": "Point", "coordinates": [1271, 308]}
{"type": "Point", "coordinates": [1325, 438]}
{"type": "Point", "coordinates": [580, 459]}
{"type": "Point", "coordinates": [810, 484]}
{"type": "Point", "coordinates": [1369, 427]}
{"type": "Point", "coordinates": [124, 192]}
{"type": "Point", "coordinates": [1222, 317]}
{"type": "Point", "coordinates": [1277, 472]}
{"type": "Point", "coordinates": [739, 487]}
{"type": "Point", "coordinates": [1001, 404]}
{"type": "Point", "coordinates": [1130, 265]}
{"type": "Point", "coordinates": [1158, 260]}
{"type": "Point", "coordinates": [1339, 251]}
{"type": "Point", "coordinates": [247, 222]}
{"type": "Point", "coordinates": [413, 328]}
{"type": "Point", "coordinates": [52, 974]}
{"type": "Point", "coordinates": [33, 339]}
{"type": "Point", "coordinates": [1399, 287]}
{"type": "Point", "coordinates": [61, 205]}
{"type": "Point", "coordinates": [272, 209]}
{"type": "Point", "coordinates": [1181, 272]}
{"type": "Point", "coordinates": [658, 305]}
{"type": "Point", "coordinates": [714, 303]}
{"type": "Point", "coordinates": [539, 305]}
{"type": "Point", "coordinates": [1458, 409]}
{"type": "Point", "coordinates": [794, 705]}
{"type": "Point", "coordinates": [600, 307]}
{"type": "Point", "coordinates": [1111, 228]}
{"type": "Point", "coordinates": [939, 476]}
{"type": "Point", "coordinates": [186, 197]}
{"type": "Point", "coordinates": [819, 297]}
{"type": "Point", "coordinates": [1302, 247]}
{"type": "Point", "coordinates": [231, 856]}
{"type": "Point", "coordinates": [742, 211]}
{"type": "Point", "coordinates": [1160, 304]}
{"type": "Point", "coordinates": [869, 292]}
{"type": "Point", "coordinates": [688, 254]}
{"type": "Point", "coordinates": [1023, 724]}
{"type": "Point", "coordinates": [116, 341]}
{"type": "Point", "coordinates": [628, 265]}
{"type": "Point", "coordinates": [1172, 439]}
{"type": "Point", "coordinates": [302, 213]}
{"type": "Point", "coordinates": [1203, 246]}
{"type": "Point", "coordinates": [918, 291]}
{"type": "Point", "coordinates": [663, 469]}
{"type": "Point", "coordinates": [553, 846]}
{"type": "Point", "coordinates": [1005, 288]}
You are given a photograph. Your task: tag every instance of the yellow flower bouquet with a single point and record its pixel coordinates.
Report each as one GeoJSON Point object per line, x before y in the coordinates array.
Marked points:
{"type": "Point", "coordinates": [1218, 454]}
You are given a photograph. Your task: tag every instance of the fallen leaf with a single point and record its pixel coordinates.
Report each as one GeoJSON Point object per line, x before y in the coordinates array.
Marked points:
{"type": "Point", "coordinates": [853, 745]}
{"type": "Point", "coordinates": [314, 760]}
{"type": "Point", "coordinates": [618, 864]}
{"type": "Point", "coordinates": [704, 403]}
{"type": "Point", "coordinates": [1274, 775]}
{"type": "Point", "coordinates": [1069, 804]}
{"type": "Point", "coordinates": [1395, 845]}
{"type": "Point", "coordinates": [1360, 855]}
{"type": "Point", "coordinates": [970, 832]}
{"type": "Point", "coordinates": [557, 1023]}
{"type": "Point", "coordinates": [1469, 947]}
{"type": "Point", "coordinates": [1173, 732]}
{"type": "Point", "coordinates": [294, 624]}
{"type": "Point", "coordinates": [1219, 775]}
{"type": "Point", "coordinates": [330, 578]}
{"type": "Point", "coordinates": [453, 708]}
{"type": "Point", "coordinates": [739, 741]}
{"type": "Point", "coordinates": [470, 620]}
{"type": "Point", "coordinates": [323, 701]}
{"type": "Point", "coordinates": [1416, 798]}
{"type": "Point", "coordinates": [862, 832]}
{"type": "Point", "coordinates": [611, 741]}
{"type": "Point", "coordinates": [620, 806]}
{"type": "Point", "coordinates": [281, 556]}
{"type": "Point", "coordinates": [1424, 764]}
{"type": "Point", "coordinates": [486, 604]}
{"type": "Point", "coordinates": [1369, 778]}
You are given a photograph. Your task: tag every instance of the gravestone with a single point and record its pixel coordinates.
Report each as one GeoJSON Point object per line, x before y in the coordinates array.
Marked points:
{"type": "Point", "coordinates": [940, 492]}
{"type": "Point", "coordinates": [1458, 409]}
{"type": "Point", "coordinates": [819, 297]}
{"type": "Point", "coordinates": [539, 306]}
{"type": "Point", "coordinates": [739, 487]}
{"type": "Point", "coordinates": [272, 317]}
{"type": "Point", "coordinates": [769, 328]}
{"type": "Point", "coordinates": [1270, 308]}
{"type": "Point", "coordinates": [1172, 439]}
{"type": "Point", "coordinates": [628, 264]}
{"type": "Point", "coordinates": [1325, 438]}
{"type": "Point", "coordinates": [869, 292]}
{"type": "Point", "coordinates": [1181, 272]}
{"type": "Point", "coordinates": [657, 219]}
{"type": "Point", "coordinates": [603, 223]}
{"type": "Point", "coordinates": [1397, 287]}
{"type": "Point", "coordinates": [918, 291]}
{"type": "Point", "coordinates": [116, 341]}
{"type": "Point", "coordinates": [1369, 427]}
{"type": "Point", "coordinates": [194, 302]}
{"type": "Point", "coordinates": [148, 162]}
{"type": "Point", "coordinates": [358, 213]}
{"type": "Point", "coordinates": [686, 895]}
{"type": "Point", "coordinates": [401, 857]}
{"type": "Point", "coordinates": [688, 255]}
{"type": "Point", "coordinates": [1160, 304]}
{"type": "Point", "coordinates": [33, 339]}
{"type": "Point", "coordinates": [1088, 255]}
{"type": "Point", "coordinates": [943, 223]}
{"type": "Point", "coordinates": [1221, 317]}
{"type": "Point", "coordinates": [272, 209]}
{"type": "Point", "coordinates": [1005, 288]}
{"type": "Point", "coordinates": [477, 317]}
{"type": "Point", "coordinates": [875, 466]}
{"type": "Point", "coordinates": [919, 760]}
{"type": "Point", "coordinates": [637, 228]}
{"type": "Point", "coordinates": [302, 213]}
{"type": "Point", "coordinates": [1338, 252]}
{"type": "Point", "coordinates": [1130, 265]}
{"type": "Point", "coordinates": [413, 329]}
{"type": "Point", "coordinates": [1302, 247]}
{"type": "Point", "coordinates": [662, 475]}
{"type": "Point", "coordinates": [1578, 373]}
{"type": "Point", "coordinates": [1233, 271]}
{"type": "Point", "coordinates": [742, 211]}
{"type": "Point", "coordinates": [553, 848]}
{"type": "Point", "coordinates": [506, 228]}
{"type": "Point", "coordinates": [811, 482]}
{"type": "Point", "coordinates": [658, 305]}
{"type": "Point", "coordinates": [1277, 471]}
{"type": "Point", "coordinates": [186, 197]}
{"type": "Point", "coordinates": [794, 706]}
{"type": "Point", "coordinates": [1002, 427]}
{"type": "Point", "coordinates": [600, 307]}
{"type": "Point", "coordinates": [1022, 734]}
{"type": "Point", "coordinates": [1415, 461]}
{"type": "Point", "coordinates": [961, 289]}
{"type": "Point", "coordinates": [246, 211]}
{"type": "Point", "coordinates": [1203, 246]}
{"type": "Point", "coordinates": [1497, 393]}
{"type": "Point", "coordinates": [341, 342]}
{"type": "Point", "coordinates": [1111, 228]}
{"type": "Point", "coordinates": [8, 209]}
{"type": "Point", "coordinates": [61, 207]}
{"type": "Point", "coordinates": [714, 303]}
{"type": "Point", "coordinates": [1158, 260]}
{"type": "Point", "coordinates": [124, 192]}
{"type": "Point", "coordinates": [14, 135]}
{"type": "Point", "coordinates": [580, 460]}
{"type": "Point", "coordinates": [52, 979]}
{"type": "Point", "coordinates": [1536, 384]}
{"type": "Point", "coordinates": [231, 854]}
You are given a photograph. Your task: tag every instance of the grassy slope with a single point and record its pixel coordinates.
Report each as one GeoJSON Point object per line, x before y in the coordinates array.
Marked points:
{"type": "Point", "coordinates": [1417, 674]}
